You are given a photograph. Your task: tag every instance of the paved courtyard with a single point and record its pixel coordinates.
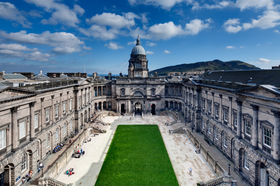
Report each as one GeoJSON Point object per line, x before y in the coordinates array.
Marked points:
{"type": "Point", "coordinates": [180, 149]}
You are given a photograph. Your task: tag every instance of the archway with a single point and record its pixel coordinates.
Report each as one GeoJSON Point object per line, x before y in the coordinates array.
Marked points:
{"type": "Point", "coordinates": [153, 109]}
{"type": "Point", "coordinates": [171, 104]}
{"type": "Point", "coordinates": [261, 174]}
{"type": "Point", "coordinates": [241, 159]}
{"type": "Point", "coordinates": [99, 105]}
{"type": "Point", "coordinates": [8, 175]}
{"type": "Point", "coordinates": [30, 158]}
{"type": "Point", "coordinates": [166, 104]}
{"type": "Point", "coordinates": [104, 105]}
{"type": "Point", "coordinates": [122, 108]}
{"type": "Point", "coordinates": [95, 106]}
{"type": "Point", "coordinates": [138, 108]}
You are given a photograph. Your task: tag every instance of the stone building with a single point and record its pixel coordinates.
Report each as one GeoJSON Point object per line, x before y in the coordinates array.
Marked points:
{"type": "Point", "coordinates": [237, 111]}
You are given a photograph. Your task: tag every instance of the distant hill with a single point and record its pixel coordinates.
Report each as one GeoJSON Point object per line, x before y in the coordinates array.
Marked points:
{"type": "Point", "coordinates": [201, 66]}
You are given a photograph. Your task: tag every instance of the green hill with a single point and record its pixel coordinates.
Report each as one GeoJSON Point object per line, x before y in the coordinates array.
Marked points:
{"type": "Point", "coordinates": [201, 66]}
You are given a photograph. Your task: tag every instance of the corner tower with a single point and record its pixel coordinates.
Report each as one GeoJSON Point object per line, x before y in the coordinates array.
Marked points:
{"type": "Point", "coordinates": [138, 63]}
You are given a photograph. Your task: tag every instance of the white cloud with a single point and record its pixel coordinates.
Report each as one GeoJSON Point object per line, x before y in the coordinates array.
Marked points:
{"type": "Point", "coordinates": [131, 43]}
{"type": "Point", "coordinates": [35, 56]}
{"type": "Point", "coordinates": [100, 32]}
{"type": "Point", "coordinates": [149, 52]}
{"type": "Point", "coordinates": [113, 46]}
{"type": "Point", "coordinates": [166, 52]}
{"type": "Point", "coordinates": [166, 4]}
{"type": "Point", "coordinates": [244, 4]}
{"type": "Point", "coordinates": [241, 47]}
{"type": "Point", "coordinates": [62, 41]}
{"type": "Point", "coordinates": [277, 31]}
{"type": "Point", "coordinates": [269, 19]}
{"type": "Point", "coordinates": [148, 43]}
{"type": "Point", "coordinates": [232, 26]}
{"type": "Point", "coordinates": [263, 61]}
{"type": "Point", "coordinates": [87, 48]}
{"type": "Point", "coordinates": [35, 13]}
{"type": "Point", "coordinates": [8, 11]}
{"type": "Point", "coordinates": [168, 30]}
{"type": "Point", "coordinates": [144, 18]}
{"type": "Point", "coordinates": [17, 47]}
{"type": "Point", "coordinates": [113, 20]}
{"type": "Point", "coordinates": [220, 5]}
{"type": "Point", "coordinates": [60, 12]}
{"type": "Point", "coordinates": [230, 47]}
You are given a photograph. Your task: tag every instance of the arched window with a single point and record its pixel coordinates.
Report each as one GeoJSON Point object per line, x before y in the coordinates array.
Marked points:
{"type": "Point", "coordinates": [224, 136]}
{"type": "Point", "coordinates": [246, 161]}
{"type": "Point", "coordinates": [215, 133]}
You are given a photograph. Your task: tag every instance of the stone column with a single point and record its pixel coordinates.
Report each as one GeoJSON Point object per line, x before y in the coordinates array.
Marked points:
{"type": "Point", "coordinates": [101, 105]}
{"type": "Point", "coordinates": [276, 140]}
{"type": "Point", "coordinates": [32, 130]}
{"type": "Point", "coordinates": [239, 118]}
{"type": "Point", "coordinates": [255, 126]}
{"type": "Point", "coordinates": [14, 128]}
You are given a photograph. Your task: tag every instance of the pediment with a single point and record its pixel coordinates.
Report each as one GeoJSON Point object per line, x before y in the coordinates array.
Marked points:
{"type": "Point", "coordinates": [14, 92]}
{"type": "Point", "coordinates": [138, 93]}
{"type": "Point", "coordinates": [264, 91]}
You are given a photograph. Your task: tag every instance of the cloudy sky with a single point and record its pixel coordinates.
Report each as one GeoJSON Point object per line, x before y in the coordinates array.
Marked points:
{"type": "Point", "coordinates": [98, 35]}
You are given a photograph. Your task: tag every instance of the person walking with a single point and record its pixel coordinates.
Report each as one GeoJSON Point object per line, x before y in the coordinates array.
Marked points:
{"type": "Point", "coordinates": [190, 169]}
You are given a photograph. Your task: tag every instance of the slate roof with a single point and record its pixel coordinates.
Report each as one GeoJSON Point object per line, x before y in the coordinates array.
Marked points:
{"type": "Point", "coordinates": [250, 77]}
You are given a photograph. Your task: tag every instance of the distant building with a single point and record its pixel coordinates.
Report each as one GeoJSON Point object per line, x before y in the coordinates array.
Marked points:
{"type": "Point", "coordinates": [58, 74]}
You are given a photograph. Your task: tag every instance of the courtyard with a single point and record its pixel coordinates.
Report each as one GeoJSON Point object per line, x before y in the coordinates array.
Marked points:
{"type": "Point", "coordinates": [180, 150]}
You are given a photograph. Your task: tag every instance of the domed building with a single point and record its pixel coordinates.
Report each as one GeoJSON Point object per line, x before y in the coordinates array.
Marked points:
{"type": "Point", "coordinates": [138, 63]}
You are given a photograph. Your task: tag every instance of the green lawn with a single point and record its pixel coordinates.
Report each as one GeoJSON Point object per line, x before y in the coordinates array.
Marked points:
{"type": "Point", "coordinates": [137, 156]}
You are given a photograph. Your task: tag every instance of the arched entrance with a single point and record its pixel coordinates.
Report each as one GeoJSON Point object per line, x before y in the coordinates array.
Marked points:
{"type": "Point", "coordinates": [138, 108]}
{"type": "Point", "coordinates": [99, 106]}
{"type": "Point", "coordinates": [122, 108]}
{"type": "Point", "coordinates": [8, 175]}
{"type": "Point", "coordinates": [261, 174]}
{"type": "Point", "coordinates": [153, 109]}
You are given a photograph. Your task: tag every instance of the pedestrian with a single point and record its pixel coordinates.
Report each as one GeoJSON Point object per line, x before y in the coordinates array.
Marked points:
{"type": "Point", "coordinates": [41, 165]}
{"type": "Point", "coordinates": [81, 151]}
{"type": "Point", "coordinates": [190, 169]}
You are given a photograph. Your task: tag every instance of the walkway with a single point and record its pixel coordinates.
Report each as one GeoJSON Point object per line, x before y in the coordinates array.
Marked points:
{"type": "Point", "coordinates": [223, 161]}
{"type": "Point", "coordinates": [181, 152]}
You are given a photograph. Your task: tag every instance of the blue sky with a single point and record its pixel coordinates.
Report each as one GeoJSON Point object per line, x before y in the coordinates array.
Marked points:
{"type": "Point", "coordinates": [68, 35]}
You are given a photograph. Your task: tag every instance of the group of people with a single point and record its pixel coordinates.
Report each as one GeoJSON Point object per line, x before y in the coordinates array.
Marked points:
{"type": "Point", "coordinates": [30, 173]}
{"type": "Point", "coordinates": [70, 171]}
{"type": "Point", "coordinates": [58, 147]}
{"type": "Point", "coordinates": [78, 153]}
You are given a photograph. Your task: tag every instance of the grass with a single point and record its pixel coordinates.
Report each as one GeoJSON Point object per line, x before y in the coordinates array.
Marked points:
{"type": "Point", "coordinates": [137, 156]}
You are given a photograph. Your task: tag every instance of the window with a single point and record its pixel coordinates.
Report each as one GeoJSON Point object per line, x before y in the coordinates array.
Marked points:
{"type": "Point", "coordinates": [122, 92]}
{"type": "Point", "coordinates": [248, 125]}
{"type": "Point", "coordinates": [70, 124]}
{"type": "Point", "coordinates": [36, 121]}
{"type": "Point", "coordinates": [70, 105]}
{"type": "Point", "coordinates": [56, 134]}
{"type": "Point", "coordinates": [23, 162]}
{"type": "Point", "coordinates": [64, 107]}
{"type": "Point", "coordinates": [209, 129]}
{"type": "Point", "coordinates": [246, 162]}
{"type": "Point", "coordinates": [153, 92]}
{"type": "Point", "coordinates": [56, 111]}
{"type": "Point", "coordinates": [2, 139]}
{"type": "Point", "coordinates": [209, 106]}
{"type": "Point", "coordinates": [22, 129]}
{"type": "Point", "coordinates": [203, 124]}
{"type": "Point", "coordinates": [215, 133]}
{"type": "Point", "coordinates": [235, 119]}
{"type": "Point", "coordinates": [48, 141]}
{"type": "Point", "coordinates": [47, 115]}
{"type": "Point", "coordinates": [217, 111]}
{"type": "Point", "coordinates": [64, 129]}
{"type": "Point", "coordinates": [267, 136]}
{"type": "Point", "coordinates": [137, 65]}
{"type": "Point", "coordinates": [203, 104]}
{"type": "Point", "coordinates": [225, 114]}
{"type": "Point", "coordinates": [38, 147]}
{"type": "Point", "coordinates": [224, 140]}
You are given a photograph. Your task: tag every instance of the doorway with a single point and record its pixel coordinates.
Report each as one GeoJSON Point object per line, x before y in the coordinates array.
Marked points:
{"type": "Point", "coordinates": [138, 109]}
{"type": "Point", "coordinates": [122, 108]}
{"type": "Point", "coordinates": [153, 109]}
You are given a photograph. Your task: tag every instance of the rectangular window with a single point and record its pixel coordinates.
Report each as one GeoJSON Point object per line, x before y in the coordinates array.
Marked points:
{"type": "Point", "coordinates": [64, 107]}
{"type": "Point", "coordinates": [36, 121]}
{"type": "Point", "coordinates": [47, 115]}
{"type": "Point", "coordinates": [267, 136]}
{"type": "Point", "coordinates": [203, 104]}
{"type": "Point", "coordinates": [215, 133]}
{"type": "Point", "coordinates": [23, 162]}
{"type": "Point", "coordinates": [22, 129]}
{"type": "Point", "coordinates": [235, 119]}
{"type": "Point", "coordinates": [64, 129]}
{"type": "Point", "coordinates": [70, 124]}
{"type": "Point", "coordinates": [226, 114]}
{"type": "Point", "coordinates": [70, 105]}
{"type": "Point", "coordinates": [216, 110]}
{"type": "Point", "coordinates": [56, 135]}
{"type": "Point", "coordinates": [56, 111]}
{"type": "Point", "coordinates": [248, 125]}
{"type": "Point", "coordinates": [203, 125]}
{"type": "Point", "coordinates": [209, 129]}
{"type": "Point", "coordinates": [2, 139]}
{"type": "Point", "coordinates": [209, 107]}
{"type": "Point", "coordinates": [225, 140]}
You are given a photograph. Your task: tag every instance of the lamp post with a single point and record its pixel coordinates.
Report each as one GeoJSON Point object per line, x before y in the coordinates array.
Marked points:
{"type": "Point", "coordinates": [229, 169]}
